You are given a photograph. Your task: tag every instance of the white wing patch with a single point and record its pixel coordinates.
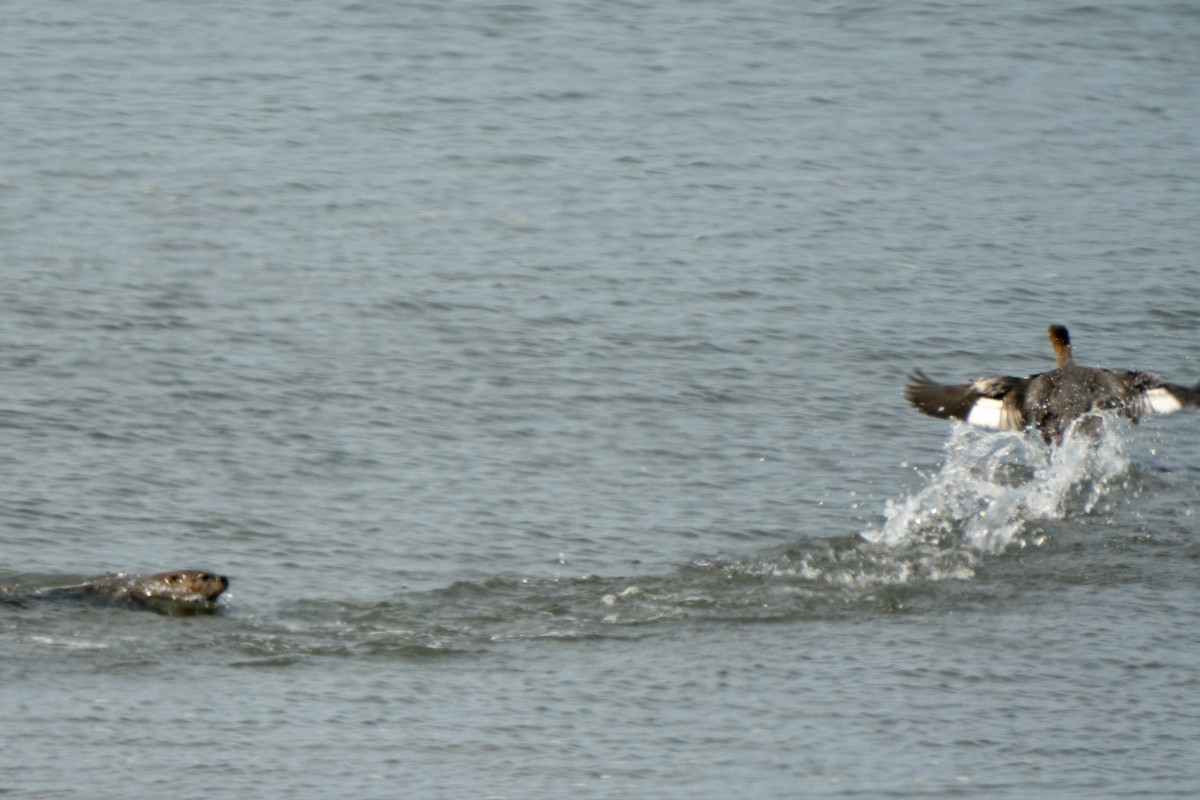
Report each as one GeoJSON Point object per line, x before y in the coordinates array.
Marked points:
{"type": "Point", "coordinates": [1161, 401]}
{"type": "Point", "coordinates": [992, 385]}
{"type": "Point", "coordinates": [987, 412]}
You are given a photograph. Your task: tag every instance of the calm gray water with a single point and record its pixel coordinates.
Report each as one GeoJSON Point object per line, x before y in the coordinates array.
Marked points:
{"type": "Point", "coordinates": [533, 372]}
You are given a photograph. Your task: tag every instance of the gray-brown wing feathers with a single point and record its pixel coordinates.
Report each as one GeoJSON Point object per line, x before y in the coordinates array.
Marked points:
{"type": "Point", "coordinates": [1152, 395]}
{"type": "Point", "coordinates": [994, 401]}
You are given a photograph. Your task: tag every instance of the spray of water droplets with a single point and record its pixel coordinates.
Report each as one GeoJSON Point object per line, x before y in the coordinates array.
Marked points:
{"type": "Point", "coordinates": [992, 486]}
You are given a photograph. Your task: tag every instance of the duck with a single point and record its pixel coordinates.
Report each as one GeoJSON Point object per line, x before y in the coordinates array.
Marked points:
{"type": "Point", "coordinates": [1051, 402]}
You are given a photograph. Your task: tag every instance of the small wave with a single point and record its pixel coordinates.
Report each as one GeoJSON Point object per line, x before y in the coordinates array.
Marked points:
{"type": "Point", "coordinates": [991, 486]}
{"type": "Point", "coordinates": [68, 643]}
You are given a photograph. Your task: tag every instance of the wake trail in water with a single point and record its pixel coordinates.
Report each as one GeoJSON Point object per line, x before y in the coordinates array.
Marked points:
{"type": "Point", "coordinates": [993, 491]}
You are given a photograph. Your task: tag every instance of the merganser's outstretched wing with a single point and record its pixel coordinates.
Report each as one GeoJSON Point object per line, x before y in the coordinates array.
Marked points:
{"type": "Point", "coordinates": [994, 401]}
{"type": "Point", "coordinates": [1147, 393]}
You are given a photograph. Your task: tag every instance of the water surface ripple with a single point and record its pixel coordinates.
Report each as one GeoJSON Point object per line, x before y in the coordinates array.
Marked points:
{"type": "Point", "coordinates": [534, 373]}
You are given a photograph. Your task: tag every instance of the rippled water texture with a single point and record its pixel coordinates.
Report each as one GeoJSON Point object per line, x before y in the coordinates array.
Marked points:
{"type": "Point", "coordinates": [533, 372]}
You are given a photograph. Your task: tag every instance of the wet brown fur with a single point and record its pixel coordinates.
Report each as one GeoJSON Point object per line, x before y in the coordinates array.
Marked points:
{"type": "Point", "coordinates": [176, 592]}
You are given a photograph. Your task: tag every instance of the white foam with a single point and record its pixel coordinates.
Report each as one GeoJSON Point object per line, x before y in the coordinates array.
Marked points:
{"type": "Point", "coordinates": [70, 644]}
{"type": "Point", "coordinates": [991, 487]}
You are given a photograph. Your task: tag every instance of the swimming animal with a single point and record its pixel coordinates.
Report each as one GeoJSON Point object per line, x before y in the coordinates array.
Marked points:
{"type": "Point", "coordinates": [179, 592]}
{"type": "Point", "coordinates": [1050, 402]}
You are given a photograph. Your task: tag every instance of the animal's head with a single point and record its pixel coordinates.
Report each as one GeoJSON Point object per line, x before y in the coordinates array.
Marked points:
{"type": "Point", "coordinates": [184, 585]}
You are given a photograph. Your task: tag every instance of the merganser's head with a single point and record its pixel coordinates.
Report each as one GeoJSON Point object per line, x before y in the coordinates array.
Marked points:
{"type": "Point", "coordinates": [1060, 340]}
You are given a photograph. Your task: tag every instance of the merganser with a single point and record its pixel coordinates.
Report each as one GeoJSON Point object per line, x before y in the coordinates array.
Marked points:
{"type": "Point", "coordinates": [1050, 402]}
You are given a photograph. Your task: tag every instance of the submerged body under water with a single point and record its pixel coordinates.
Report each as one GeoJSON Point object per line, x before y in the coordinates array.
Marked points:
{"type": "Point", "coordinates": [174, 593]}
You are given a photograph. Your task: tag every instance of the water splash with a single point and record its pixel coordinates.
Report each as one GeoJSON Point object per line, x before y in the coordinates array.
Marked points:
{"type": "Point", "coordinates": [992, 486]}
{"type": "Point", "coordinates": [990, 493]}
